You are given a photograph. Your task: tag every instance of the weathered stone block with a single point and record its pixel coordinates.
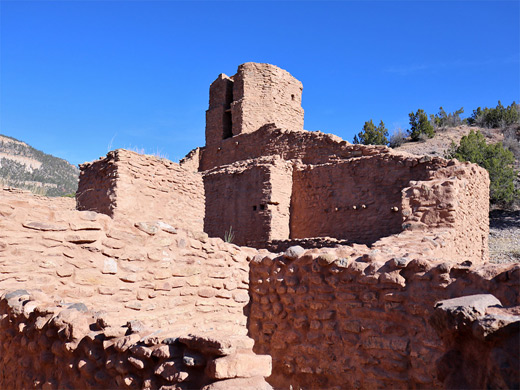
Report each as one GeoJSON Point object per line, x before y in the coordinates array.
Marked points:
{"type": "Point", "coordinates": [239, 365]}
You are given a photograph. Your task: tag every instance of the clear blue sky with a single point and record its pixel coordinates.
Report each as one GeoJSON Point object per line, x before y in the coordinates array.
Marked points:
{"type": "Point", "coordinates": [77, 77]}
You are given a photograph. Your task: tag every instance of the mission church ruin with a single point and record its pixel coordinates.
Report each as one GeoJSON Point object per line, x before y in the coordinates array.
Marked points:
{"type": "Point", "coordinates": [261, 175]}
{"type": "Point", "coordinates": [351, 266]}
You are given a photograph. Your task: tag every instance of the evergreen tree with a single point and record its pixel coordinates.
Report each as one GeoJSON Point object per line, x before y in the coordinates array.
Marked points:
{"type": "Point", "coordinates": [499, 116]}
{"type": "Point", "coordinates": [444, 119]}
{"type": "Point", "coordinates": [497, 160]}
{"type": "Point", "coordinates": [372, 135]}
{"type": "Point", "coordinates": [419, 124]}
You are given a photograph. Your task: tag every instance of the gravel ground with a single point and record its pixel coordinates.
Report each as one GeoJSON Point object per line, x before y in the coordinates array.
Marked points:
{"type": "Point", "coordinates": [504, 236]}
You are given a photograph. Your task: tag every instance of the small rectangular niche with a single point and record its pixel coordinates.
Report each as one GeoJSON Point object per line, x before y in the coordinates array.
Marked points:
{"type": "Point", "coordinates": [227, 125]}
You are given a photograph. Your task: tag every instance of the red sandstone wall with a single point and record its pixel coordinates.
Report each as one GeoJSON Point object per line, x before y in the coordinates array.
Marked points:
{"type": "Point", "coordinates": [218, 115]}
{"type": "Point", "coordinates": [129, 184]}
{"type": "Point", "coordinates": [252, 198]}
{"type": "Point", "coordinates": [172, 277]}
{"type": "Point", "coordinates": [346, 320]}
{"type": "Point", "coordinates": [353, 199]}
{"type": "Point", "coordinates": [345, 317]}
{"type": "Point", "coordinates": [167, 283]}
{"type": "Point", "coordinates": [264, 93]}
{"type": "Point", "coordinates": [66, 346]}
{"type": "Point", "coordinates": [310, 147]}
{"type": "Point", "coordinates": [456, 197]}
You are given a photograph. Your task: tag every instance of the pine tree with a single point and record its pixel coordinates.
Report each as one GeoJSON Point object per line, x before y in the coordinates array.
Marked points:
{"type": "Point", "coordinates": [497, 160]}
{"type": "Point", "coordinates": [419, 124]}
{"type": "Point", "coordinates": [372, 135]}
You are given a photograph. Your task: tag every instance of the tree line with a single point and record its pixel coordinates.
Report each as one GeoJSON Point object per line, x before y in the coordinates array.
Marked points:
{"type": "Point", "coordinates": [498, 159]}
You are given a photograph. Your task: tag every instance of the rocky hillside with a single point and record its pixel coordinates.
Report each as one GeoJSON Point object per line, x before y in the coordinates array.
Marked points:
{"type": "Point", "coordinates": [23, 166]}
{"type": "Point", "coordinates": [439, 145]}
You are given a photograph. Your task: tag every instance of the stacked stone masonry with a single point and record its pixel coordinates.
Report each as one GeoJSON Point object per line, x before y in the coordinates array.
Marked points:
{"type": "Point", "coordinates": [257, 94]}
{"type": "Point", "coordinates": [134, 286]}
{"type": "Point", "coordinates": [83, 291]}
{"type": "Point", "coordinates": [158, 187]}
{"type": "Point", "coordinates": [256, 191]}
{"type": "Point", "coordinates": [341, 319]}
{"type": "Point", "coordinates": [481, 341]}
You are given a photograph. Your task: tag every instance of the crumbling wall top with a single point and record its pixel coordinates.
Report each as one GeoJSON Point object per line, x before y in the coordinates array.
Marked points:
{"type": "Point", "coordinates": [256, 95]}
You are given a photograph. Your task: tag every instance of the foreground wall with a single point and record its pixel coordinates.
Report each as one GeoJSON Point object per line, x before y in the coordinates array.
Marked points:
{"type": "Point", "coordinates": [67, 346]}
{"type": "Point", "coordinates": [129, 184]}
{"type": "Point", "coordinates": [91, 301]}
{"type": "Point", "coordinates": [351, 318]}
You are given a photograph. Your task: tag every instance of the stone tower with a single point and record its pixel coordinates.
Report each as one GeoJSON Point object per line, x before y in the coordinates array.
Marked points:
{"type": "Point", "coordinates": [256, 95]}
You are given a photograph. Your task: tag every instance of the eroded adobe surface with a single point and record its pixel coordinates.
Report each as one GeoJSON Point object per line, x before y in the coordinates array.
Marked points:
{"type": "Point", "coordinates": [158, 188]}
{"type": "Point", "coordinates": [280, 183]}
{"type": "Point", "coordinates": [257, 94]}
{"type": "Point", "coordinates": [117, 303]}
{"type": "Point", "coordinates": [136, 288]}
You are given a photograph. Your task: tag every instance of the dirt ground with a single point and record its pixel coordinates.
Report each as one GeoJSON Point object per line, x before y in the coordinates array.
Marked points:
{"type": "Point", "coordinates": [504, 236]}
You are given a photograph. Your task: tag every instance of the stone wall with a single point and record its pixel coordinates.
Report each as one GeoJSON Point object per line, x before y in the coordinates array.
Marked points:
{"type": "Point", "coordinates": [257, 94]}
{"type": "Point", "coordinates": [264, 93]}
{"type": "Point", "coordinates": [270, 140]}
{"type": "Point", "coordinates": [51, 345]}
{"type": "Point", "coordinates": [354, 318]}
{"type": "Point", "coordinates": [358, 199]}
{"type": "Point", "coordinates": [126, 183]}
{"type": "Point", "coordinates": [167, 283]}
{"type": "Point", "coordinates": [252, 198]}
{"type": "Point", "coordinates": [456, 197]}
{"type": "Point", "coordinates": [356, 193]}
{"type": "Point", "coordinates": [481, 340]}
{"type": "Point", "coordinates": [176, 278]}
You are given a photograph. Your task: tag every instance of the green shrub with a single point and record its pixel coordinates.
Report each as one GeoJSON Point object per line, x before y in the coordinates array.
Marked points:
{"type": "Point", "coordinates": [372, 135]}
{"type": "Point", "coordinates": [444, 119]}
{"type": "Point", "coordinates": [419, 124]}
{"type": "Point", "coordinates": [497, 160]}
{"type": "Point", "coordinates": [499, 116]}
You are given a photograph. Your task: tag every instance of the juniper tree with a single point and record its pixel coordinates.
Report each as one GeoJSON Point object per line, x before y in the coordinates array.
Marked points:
{"type": "Point", "coordinates": [372, 135]}
{"type": "Point", "coordinates": [496, 159]}
{"type": "Point", "coordinates": [419, 124]}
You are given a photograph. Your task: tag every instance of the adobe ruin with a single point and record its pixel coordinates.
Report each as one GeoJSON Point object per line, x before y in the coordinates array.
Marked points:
{"type": "Point", "coordinates": [358, 266]}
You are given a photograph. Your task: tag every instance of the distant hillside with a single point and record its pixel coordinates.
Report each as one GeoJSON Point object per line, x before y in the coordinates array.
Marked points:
{"type": "Point", "coordinates": [23, 166]}
{"type": "Point", "coordinates": [440, 143]}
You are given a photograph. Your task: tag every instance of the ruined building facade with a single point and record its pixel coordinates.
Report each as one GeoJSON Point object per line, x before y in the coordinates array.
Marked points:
{"type": "Point", "coordinates": [265, 179]}
{"type": "Point", "coordinates": [351, 266]}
